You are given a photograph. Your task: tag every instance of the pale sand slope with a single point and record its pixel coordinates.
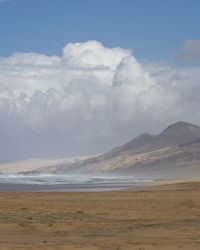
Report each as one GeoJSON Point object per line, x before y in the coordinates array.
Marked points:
{"type": "Point", "coordinates": [37, 163]}
{"type": "Point", "coordinates": [159, 217]}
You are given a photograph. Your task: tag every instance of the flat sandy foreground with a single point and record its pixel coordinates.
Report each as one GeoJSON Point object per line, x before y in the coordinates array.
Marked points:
{"type": "Point", "coordinates": [160, 217]}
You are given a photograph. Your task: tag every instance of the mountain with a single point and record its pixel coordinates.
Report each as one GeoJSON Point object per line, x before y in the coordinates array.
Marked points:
{"type": "Point", "coordinates": [182, 161]}
{"type": "Point", "coordinates": [176, 134]}
{"type": "Point", "coordinates": [173, 152]}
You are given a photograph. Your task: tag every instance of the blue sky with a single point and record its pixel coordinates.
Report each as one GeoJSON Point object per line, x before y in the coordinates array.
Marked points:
{"type": "Point", "coordinates": [75, 88]}
{"type": "Point", "coordinates": [154, 29]}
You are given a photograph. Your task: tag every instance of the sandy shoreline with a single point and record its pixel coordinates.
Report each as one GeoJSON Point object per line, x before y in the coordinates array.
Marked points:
{"type": "Point", "coordinates": [89, 187]}
{"type": "Point", "coordinates": [69, 187]}
{"type": "Point", "coordinates": [159, 217]}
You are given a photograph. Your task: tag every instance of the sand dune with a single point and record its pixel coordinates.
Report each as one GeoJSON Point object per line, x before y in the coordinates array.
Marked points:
{"type": "Point", "coordinates": [37, 163]}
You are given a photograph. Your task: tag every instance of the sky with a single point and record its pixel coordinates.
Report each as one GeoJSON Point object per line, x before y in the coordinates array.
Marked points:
{"type": "Point", "coordinates": [81, 77]}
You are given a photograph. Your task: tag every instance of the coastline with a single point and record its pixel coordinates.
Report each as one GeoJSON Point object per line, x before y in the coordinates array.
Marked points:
{"type": "Point", "coordinates": [89, 187]}
{"type": "Point", "coordinates": [68, 187]}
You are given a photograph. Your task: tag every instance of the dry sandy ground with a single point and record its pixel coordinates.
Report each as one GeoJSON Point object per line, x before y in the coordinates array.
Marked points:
{"type": "Point", "coordinates": [161, 217]}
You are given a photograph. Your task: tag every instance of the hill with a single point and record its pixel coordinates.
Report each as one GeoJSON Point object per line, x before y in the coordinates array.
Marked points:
{"type": "Point", "coordinates": [175, 152]}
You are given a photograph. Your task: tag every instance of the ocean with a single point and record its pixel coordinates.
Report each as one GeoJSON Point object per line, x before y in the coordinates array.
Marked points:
{"type": "Point", "coordinates": [58, 182]}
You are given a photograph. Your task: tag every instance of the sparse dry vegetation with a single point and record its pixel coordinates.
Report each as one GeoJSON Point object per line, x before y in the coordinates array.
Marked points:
{"type": "Point", "coordinates": [161, 217]}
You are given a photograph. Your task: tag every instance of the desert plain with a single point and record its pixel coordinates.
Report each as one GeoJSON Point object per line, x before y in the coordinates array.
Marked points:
{"type": "Point", "coordinates": [165, 216]}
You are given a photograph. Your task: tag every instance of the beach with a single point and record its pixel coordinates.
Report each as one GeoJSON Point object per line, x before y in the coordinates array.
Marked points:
{"type": "Point", "coordinates": [81, 187]}
{"type": "Point", "coordinates": [164, 216]}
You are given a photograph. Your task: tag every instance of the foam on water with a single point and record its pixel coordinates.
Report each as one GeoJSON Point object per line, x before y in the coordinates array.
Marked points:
{"type": "Point", "coordinates": [54, 179]}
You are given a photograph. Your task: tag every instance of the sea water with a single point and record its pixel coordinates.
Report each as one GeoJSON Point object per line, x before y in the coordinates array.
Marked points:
{"type": "Point", "coordinates": [65, 182]}
{"type": "Point", "coordinates": [54, 179]}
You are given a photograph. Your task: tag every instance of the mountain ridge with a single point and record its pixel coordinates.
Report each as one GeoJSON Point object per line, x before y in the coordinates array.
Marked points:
{"type": "Point", "coordinates": [174, 153]}
{"type": "Point", "coordinates": [149, 142]}
{"type": "Point", "coordinates": [175, 149]}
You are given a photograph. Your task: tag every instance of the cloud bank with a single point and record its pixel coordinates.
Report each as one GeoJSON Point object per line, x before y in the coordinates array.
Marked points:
{"type": "Point", "coordinates": [190, 51]}
{"type": "Point", "coordinates": [88, 100]}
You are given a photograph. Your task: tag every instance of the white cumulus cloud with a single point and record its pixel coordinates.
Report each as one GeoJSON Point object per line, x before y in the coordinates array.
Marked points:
{"type": "Point", "coordinates": [88, 100]}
